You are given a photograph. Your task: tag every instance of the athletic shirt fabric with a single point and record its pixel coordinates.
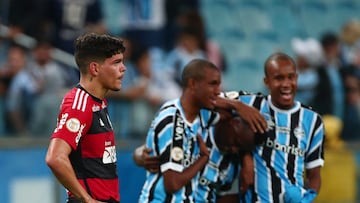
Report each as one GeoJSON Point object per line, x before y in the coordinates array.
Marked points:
{"type": "Point", "coordinates": [294, 142]}
{"type": "Point", "coordinates": [83, 122]}
{"type": "Point", "coordinates": [219, 173]}
{"type": "Point", "coordinates": [173, 139]}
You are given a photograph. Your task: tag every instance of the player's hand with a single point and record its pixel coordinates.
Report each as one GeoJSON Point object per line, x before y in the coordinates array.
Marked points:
{"type": "Point", "coordinates": [143, 158]}
{"type": "Point", "coordinates": [204, 151]}
{"type": "Point", "coordinates": [151, 163]}
{"type": "Point", "coordinates": [253, 117]}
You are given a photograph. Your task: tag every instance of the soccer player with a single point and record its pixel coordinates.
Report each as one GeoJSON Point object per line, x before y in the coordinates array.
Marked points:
{"type": "Point", "coordinates": [294, 140]}
{"type": "Point", "coordinates": [82, 152]}
{"type": "Point", "coordinates": [177, 132]}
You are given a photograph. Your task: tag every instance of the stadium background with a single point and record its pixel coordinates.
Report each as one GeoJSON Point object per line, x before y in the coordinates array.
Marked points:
{"type": "Point", "coordinates": [242, 28]}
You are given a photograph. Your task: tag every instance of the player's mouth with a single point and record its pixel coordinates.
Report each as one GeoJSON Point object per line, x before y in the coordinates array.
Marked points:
{"type": "Point", "coordinates": [286, 94]}
{"type": "Point", "coordinates": [212, 100]}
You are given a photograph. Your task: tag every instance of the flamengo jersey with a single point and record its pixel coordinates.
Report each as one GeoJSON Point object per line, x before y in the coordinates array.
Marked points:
{"type": "Point", "coordinates": [294, 142]}
{"type": "Point", "coordinates": [173, 139]}
{"type": "Point", "coordinates": [84, 124]}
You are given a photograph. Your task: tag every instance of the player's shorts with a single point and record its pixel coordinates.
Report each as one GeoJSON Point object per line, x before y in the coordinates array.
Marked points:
{"type": "Point", "coordinates": [74, 200]}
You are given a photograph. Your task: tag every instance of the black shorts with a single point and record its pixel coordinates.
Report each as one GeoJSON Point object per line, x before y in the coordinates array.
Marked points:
{"type": "Point", "coordinates": [74, 200]}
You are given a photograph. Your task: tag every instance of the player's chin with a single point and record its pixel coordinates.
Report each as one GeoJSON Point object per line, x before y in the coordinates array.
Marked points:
{"type": "Point", "coordinates": [210, 106]}
{"type": "Point", "coordinates": [116, 87]}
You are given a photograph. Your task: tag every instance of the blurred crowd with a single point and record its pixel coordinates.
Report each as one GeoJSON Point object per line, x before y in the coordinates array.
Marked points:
{"type": "Point", "coordinates": [329, 76]}
{"type": "Point", "coordinates": [161, 37]}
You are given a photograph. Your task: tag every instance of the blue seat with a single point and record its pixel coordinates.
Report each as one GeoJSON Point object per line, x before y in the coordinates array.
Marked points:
{"type": "Point", "coordinates": [316, 19]}
{"type": "Point", "coordinates": [244, 74]}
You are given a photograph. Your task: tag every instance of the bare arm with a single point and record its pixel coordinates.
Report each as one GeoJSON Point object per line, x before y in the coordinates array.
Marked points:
{"type": "Point", "coordinates": [250, 114]}
{"type": "Point", "coordinates": [57, 158]}
{"type": "Point", "coordinates": [174, 180]}
{"type": "Point", "coordinates": [246, 172]}
{"type": "Point", "coordinates": [313, 179]}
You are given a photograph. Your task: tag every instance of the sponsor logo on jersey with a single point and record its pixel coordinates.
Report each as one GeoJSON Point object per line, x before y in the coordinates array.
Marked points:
{"type": "Point", "coordinates": [109, 155]}
{"type": "Point", "coordinates": [77, 139]}
{"type": "Point", "coordinates": [177, 154]}
{"type": "Point", "coordinates": [61, 122]}
{"type": "Point", "coordinates": [188, 160]}
{"type": "Point", "coordinates": [95, 108]}
{"type": "Point", "coordinates": [287, 149]}
{"type": "Point", "coordinates": [179, 128]}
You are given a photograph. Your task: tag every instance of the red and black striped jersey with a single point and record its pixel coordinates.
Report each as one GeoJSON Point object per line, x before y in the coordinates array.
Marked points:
{"type": "Point", "coordinates": [84, 123]}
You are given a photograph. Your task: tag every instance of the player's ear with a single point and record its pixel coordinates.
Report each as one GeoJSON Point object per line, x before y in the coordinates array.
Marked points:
{"type": "Point", "coordinates": [94, 68]}
{"type": "Point", "coordinates": [191, 83]}
{"type": "Point", "coordinates": [266, 81]}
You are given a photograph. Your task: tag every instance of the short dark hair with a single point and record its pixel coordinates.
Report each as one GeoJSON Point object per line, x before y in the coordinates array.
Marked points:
{"type": "Point", "coordinates": [195, 70]}
{"type": "Point", "coordinates": [96, 47]}
{"type": "Point", "coordinates": [329, 39]}
{"type": "Point", "coordinates": [277, 56]}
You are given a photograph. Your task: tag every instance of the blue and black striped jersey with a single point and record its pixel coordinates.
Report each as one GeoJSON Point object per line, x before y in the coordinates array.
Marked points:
{"type": "Point", "coordinates": [293, 143]}
{"type": "Point", "coordinates": [218, 174]}
{"type": "Point", "coordinates": [173, 139]}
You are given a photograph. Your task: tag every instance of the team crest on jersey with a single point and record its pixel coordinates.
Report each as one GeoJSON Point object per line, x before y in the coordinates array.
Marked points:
{"type": "Point", "coordinates": [270, 121]}
{"type": "Point", "coordinates": [73, 125]}
{"type": "Point", "coordinates": [299, 132]}
{"type": "Point", "coordinates": [177, 154]}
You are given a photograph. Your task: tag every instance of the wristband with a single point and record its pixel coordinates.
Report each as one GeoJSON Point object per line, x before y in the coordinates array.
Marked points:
{"type": "Point", "coordinates": [292, 194]}
{"type": "Point", "coordinates": [309, 196]}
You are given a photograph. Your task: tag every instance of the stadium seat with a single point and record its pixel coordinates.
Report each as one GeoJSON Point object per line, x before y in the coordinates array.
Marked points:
{"type": "Point", "coordinates": [218, 19]}
{"type": "Point", "coordinates": [343, 11]}
{"type": "Point", "coordinates": [244, 74]}
{"type": "Point", "coordinates": [316, 18]}
{"type": "Point", "coordinates": [252, 18]}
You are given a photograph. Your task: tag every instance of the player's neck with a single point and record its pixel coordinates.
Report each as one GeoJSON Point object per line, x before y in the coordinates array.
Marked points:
{"type": "Point", "coordinates": [190, 110]}
{"type": "Point", "coordinates": [93, 88]}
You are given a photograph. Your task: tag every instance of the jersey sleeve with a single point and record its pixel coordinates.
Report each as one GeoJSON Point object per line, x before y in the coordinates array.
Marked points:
{"type": "Point", "coordinates": [72, 123]}
{"type": "Point", "coordinates": [315, 153]}
{"type": "Point", "coordinates": [166, 137]}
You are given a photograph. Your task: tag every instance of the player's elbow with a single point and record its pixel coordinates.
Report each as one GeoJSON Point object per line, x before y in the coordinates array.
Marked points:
{"type": "Point", "coordinates": [172, 181]}
{"type": "Point", "coordinates": [50, 161]}
{"type": "Point", "coordinates": [53, 161]}
{"type": "Point", "coordinates": [171, 186]}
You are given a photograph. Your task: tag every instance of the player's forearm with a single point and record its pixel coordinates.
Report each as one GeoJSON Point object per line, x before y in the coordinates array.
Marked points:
{"type": "Point", "coordinates": [174, 180]}
{"type": "Point", "coordinates": [63, 171]}
{"type": "Point", "coordinates": [313, 179]}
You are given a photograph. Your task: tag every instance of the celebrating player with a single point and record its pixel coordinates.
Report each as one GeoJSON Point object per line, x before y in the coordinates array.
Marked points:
{"type": "Point", "coordinates": [174, 137]}
{"type": "Point", "coordinates": [294, 140]}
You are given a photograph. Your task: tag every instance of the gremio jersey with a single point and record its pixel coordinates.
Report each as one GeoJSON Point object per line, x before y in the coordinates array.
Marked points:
{"type": "Point", "coordinates": [84, 124]}
{"type": "Point", "coordinates": [294, 142]}
{"type": "Point", "coordinates": [173, 139]}
{"type": "Point", "coordinates": [219, 173]}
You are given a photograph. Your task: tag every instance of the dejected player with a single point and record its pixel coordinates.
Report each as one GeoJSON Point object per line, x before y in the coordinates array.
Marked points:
{"type": "Point", "coordinates": [82, 152]}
